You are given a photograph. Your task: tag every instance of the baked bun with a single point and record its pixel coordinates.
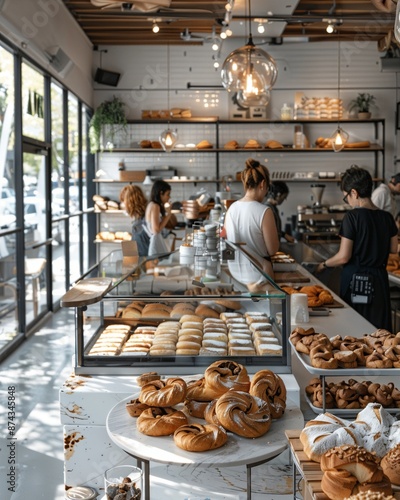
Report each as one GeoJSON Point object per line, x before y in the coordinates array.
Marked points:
{"type": "Point", "coordinates": [351, 469]}
{"type": "Point", "coordinates": [156, 145]}
{"type": "Point", "coordinates": [243, 414]}
{"type": "Point", "coordinates": [224, 375]}
{"type": "Point", "coordinates": [145, 378]}
{"type": "Point", "coordinates": [232, 145]}
{"type": "Point", "coordinates": [252, 144]}
{"type": "Point", "coordinates": [163, 394]}
{"type": "Point", "coordinates": [204, 145]}
{"type": "Point", "coordinates": [197, 437]}
{"type": "Point", "coordinates": [145, 144]}
{"type": "Point", "coordinates": [390, 464]}
{"type": "Point", "coordinates": [135, 407]}
{"type": "Point", "coordinates": [269, 387]}
{"type": "Point", "coordinates": [274, 144]}
{"type": "Point", "coordinates": [160, 421]}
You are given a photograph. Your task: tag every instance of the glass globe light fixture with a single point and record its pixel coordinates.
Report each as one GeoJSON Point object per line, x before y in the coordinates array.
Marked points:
{"type": "Point", "coordinates": [248, 99]}
{"type": "Point", "coordinates": [250, 71]}
{"type": "Point", "coordinates": [168, 139]}
{"type": "Point", "coordinates": [339, 139]}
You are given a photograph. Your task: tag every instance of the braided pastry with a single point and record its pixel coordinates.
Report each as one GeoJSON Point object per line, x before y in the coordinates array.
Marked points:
{"type": "Point", "coordinates": [346, 359]}
{"type": "Point", "coordinates": [224, 375]}
{"type": "Point", "coordinates": [322, 357]}
{"type": "Point", "coordinates": [243, 414]}
{"type": "Point", "coordinates": [378, 360]}
{"type": "Point", "coordinates": [195, 408]}
{"type": "Point", "coordinates": [160, 421]}
{"type": "Point", "coordinates": [382, 394]}
{"type": "Point", "coordinates": [198, 390]}
{"type": "Point", "coordinates": [145, 378]}
{"type": "Point", "coordinates": [135, 407]}
{"type": "Point", "coordinates": [163, 393]}
{"type": "Point", "coordinates": [269, 387]}
{"type": "Point", "coordinates": [197, 437]}
{"type": "Point", "coordinates": [306, 343]}
{"type": "Point", "coordinates": [209, 413]}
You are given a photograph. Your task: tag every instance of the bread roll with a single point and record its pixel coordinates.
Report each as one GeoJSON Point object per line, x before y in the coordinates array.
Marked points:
{"type": "Point", "coordinates": [273, 144]}
{"type": "Point", "coordinates": [204, 145]}
{"type": "Point", "coordinates": [231, 145]}
{"type": "Point", "coordinates": [145, 144]}
{"type": "Point", "coordinates": [147, 377]}
{"type": "Point", "coordinates": [206, 312]}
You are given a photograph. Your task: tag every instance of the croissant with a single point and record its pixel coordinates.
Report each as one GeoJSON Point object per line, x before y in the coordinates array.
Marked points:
{"type": "Point", "coordinates": [243, 414]}
{"type": "Point", "coordinates": [269, 387]}
{"type": "Point", "coordinates": [163, 394]}
{"type": "Point", "coordinates": [197, 437]}
{"type": "Point", "coordinates": [160, 421]}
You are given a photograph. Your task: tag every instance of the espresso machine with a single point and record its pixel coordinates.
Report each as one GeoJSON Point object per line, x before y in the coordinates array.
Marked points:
{"type": "Point", "coordinates": [317, 222]}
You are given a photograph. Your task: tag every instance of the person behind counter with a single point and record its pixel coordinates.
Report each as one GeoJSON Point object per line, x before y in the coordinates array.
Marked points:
{"type": "Point", "coordinates": [384, 195]}
{"type": "Point", "coordinates": [135, 203]}
{"type": "Point", "coordinates": [368, 235]}
{"type": "Point", "coordinates": [277, 194]}
{"type": "Point", "coordinates": [157, 216]}
{"type": "Point", "coordinates": [251, 222]}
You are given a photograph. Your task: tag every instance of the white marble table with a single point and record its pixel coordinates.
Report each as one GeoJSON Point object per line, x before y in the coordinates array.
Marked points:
{"type": "Point", "coordinates": [238, 451]}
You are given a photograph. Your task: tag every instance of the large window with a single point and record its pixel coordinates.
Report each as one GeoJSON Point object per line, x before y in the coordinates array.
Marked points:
{"type": "Point", "coordinates": [43, 165]}
{"type": "Point", "coordinates": [8, 223]}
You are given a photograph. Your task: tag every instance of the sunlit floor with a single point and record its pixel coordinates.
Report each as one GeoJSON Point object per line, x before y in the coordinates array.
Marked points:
{"type": "Point", "coordinates": [33, 375]}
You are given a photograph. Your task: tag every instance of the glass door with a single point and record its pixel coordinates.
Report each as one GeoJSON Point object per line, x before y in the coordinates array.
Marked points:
{"type": "Point", "coordinates": [37, 231]}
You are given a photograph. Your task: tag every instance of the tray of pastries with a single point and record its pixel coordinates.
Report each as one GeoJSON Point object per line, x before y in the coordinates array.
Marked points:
{"type": "Point", "coordinates": [348, 397]}
{"type": "Point", "coordinates": [378, 352]}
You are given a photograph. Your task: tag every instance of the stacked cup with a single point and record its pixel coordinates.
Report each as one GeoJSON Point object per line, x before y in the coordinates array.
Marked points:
{"type": "Point", "coordinates": [212, 244]}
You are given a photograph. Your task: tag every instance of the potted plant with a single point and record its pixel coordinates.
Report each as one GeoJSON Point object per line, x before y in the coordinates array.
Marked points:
{"type": "Point", "coordinates": [362, 104]}
{"type": "Point", "coordinates": [110, 113]}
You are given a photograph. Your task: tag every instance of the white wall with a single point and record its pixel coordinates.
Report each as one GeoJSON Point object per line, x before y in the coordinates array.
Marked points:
{"type": "Point", "coordinates": [308, 67]}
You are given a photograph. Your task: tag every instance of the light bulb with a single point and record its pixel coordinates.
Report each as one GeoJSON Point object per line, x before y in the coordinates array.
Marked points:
{"type": "Point", "coordinates": [216, 64]}
{"type": "Point", "coordinates": [261, 28]}
{"type": "Point", "coordinates": [228, 31]}
{"type": "Point", "coordinates": [339, 139]}
{"type": "Point", "coordinates": [168, 139]}
{"type": "Point", "coordinates": [215, 45]}
{"type": "Point", "coordinates": [397, 23]}
{"type": "Point", "coordinates": [223, 34]}
{"type": "Point", "coordinates": [249, 70]}
{"type": "Point", "coordinates": [156, 28]}
{"type": "Point", "coordinates": [329, 28]}
{"type": "Point", "coordinates": [248, 99]}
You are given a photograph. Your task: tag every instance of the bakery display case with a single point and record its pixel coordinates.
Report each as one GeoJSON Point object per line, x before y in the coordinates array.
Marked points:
{"type": "Point", "coordinates": [133, 316]}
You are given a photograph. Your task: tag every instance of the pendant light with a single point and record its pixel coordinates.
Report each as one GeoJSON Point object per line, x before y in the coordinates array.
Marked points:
{"type": "Point", "coordinates": [340, 136]}
{"type": "Point", "coordinates": [169, 137]}
{"type": "Point", "coordinates": [250, 72]}
{"type": "Point", "coordinates": [397, 23]}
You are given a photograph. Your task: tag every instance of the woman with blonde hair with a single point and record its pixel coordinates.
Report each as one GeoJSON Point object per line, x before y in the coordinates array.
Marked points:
{"type": "Point", "coordinates": [248, 220]}
{"type": "Point", "coordinates": [135, 204]}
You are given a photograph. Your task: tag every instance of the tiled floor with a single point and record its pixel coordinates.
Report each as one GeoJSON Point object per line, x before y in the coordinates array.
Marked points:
{"type": "Point", "coordinates": [36, 371]}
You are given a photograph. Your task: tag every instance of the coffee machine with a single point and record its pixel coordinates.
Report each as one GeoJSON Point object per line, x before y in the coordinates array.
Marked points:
{"type": "Point", "coordinates": [317, 222]}
{"type": "Point", "coordinates": [318, 191]}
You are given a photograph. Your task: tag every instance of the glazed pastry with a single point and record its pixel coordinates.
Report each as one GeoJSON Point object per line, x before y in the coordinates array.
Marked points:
{"type": "Point", "coordinates": [160, 421]}
{"type": "Point", "coordinates": [197, 437]}
{"type": "Point", "coordinates": [163, 394]}
{"type": "Point", "coordinates": [269, 387]}
{"type": "Point", "coordinates": [243, 414]}
{"type": "Point", "coordinates": [224, 375]}
{"type": "Point", "coordinates": [135, 407]}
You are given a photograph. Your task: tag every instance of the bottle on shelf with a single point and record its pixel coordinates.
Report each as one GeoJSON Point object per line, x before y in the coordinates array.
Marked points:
{"type": "Point", "coordinates": [286, 112]}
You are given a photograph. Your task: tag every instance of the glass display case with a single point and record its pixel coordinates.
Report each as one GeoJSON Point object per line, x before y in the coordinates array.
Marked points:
{"type": "Point", "coordinates": [148, 314]}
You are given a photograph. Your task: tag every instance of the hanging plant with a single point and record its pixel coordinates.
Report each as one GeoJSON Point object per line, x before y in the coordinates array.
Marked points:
{"type": "Point", "coordinates": [110, 113]}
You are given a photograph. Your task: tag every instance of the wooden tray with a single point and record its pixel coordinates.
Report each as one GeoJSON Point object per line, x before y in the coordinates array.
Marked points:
{"type": "Point", "coordinates": [290, 277]}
